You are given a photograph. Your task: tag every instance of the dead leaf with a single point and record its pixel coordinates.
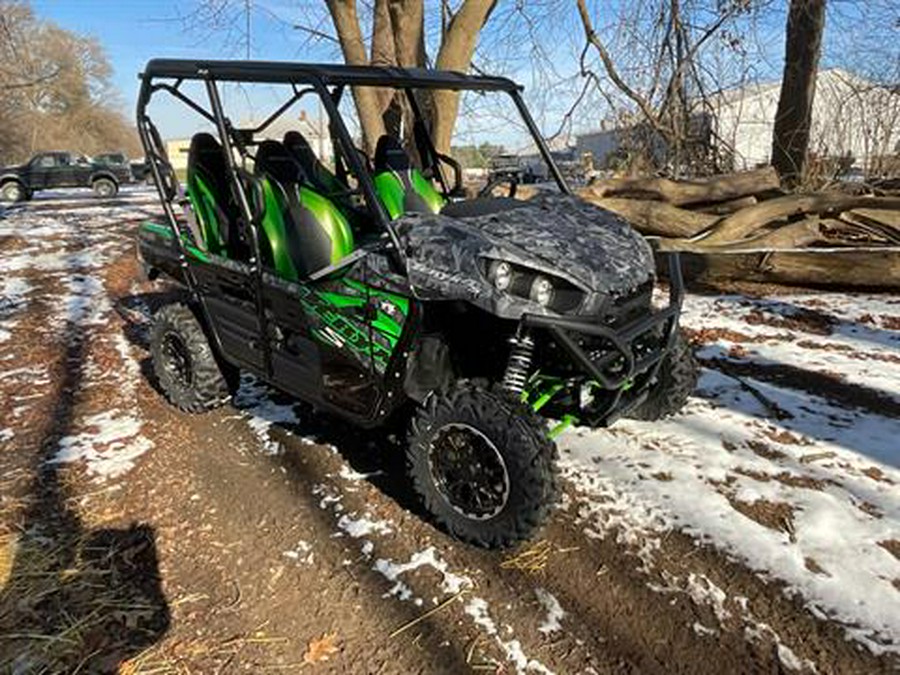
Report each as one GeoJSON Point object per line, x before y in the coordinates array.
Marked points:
{"type": "Point", "coordinates": [320, 649]}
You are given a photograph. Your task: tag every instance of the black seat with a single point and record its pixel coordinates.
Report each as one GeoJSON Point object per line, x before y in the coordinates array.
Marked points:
{"type": "Point", "coordinates": [211, 198]}
{"type": "Point", "coordinates": [302, 231]}
{"type": "Point", "coordinates": [320, 177]}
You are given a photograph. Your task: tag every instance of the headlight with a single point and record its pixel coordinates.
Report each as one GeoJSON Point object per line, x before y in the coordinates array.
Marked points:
{"type": "Point", "coordinates": [541, 291]}
{"type": "Point", "coordinates": [544, 289]}
{"type": "Point", "coordinates": [501, 274]}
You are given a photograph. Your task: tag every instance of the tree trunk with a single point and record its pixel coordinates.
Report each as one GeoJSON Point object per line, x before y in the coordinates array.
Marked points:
{"type": "Point", "coordinates": [803, 42]}
{"type": "Point", "coordinates": [408, 19]}
{"type": "Point", "coordinates": [455, 53]}
{"type": "Point", "coordinates": [368, 105]}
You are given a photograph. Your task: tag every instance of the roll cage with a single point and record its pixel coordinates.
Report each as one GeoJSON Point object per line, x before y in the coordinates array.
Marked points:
{"type": "Point", "coordinates": [329, 82]}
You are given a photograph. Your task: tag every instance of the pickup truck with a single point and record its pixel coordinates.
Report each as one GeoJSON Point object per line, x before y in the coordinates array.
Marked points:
{"type": "Point", "coordinates": [60, 169]}
{"type": "Point", "coordinates": [140, 170]}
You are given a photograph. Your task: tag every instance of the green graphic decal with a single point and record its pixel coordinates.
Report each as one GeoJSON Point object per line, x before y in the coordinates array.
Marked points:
{"type": "Point", "coordinates": [366, 320]}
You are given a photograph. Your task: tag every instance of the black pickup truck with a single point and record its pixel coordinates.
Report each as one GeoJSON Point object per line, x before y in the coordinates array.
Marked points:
{"type": "Point", "coordinates": [57, 170]}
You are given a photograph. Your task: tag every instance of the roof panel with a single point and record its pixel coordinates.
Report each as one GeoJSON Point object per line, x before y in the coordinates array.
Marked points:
{"type": "Point", "coordinates": [334, 74]}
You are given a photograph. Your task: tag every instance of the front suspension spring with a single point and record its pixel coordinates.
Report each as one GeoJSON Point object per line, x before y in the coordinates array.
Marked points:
{"type": "Point", "coordinates": [519, 365]}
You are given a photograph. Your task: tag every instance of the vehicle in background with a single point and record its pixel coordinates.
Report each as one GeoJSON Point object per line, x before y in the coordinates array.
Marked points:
{"type": "Point", "coordinates": [508, 167]}
{"type": "Point", "coordinates": [60, 170]}
{"type": "Point", "coordinates": [138, 170]}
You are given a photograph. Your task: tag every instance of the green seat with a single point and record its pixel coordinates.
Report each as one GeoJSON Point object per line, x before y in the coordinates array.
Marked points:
{"type": "Point", "coordinates": [302, 230]}
{"type": "Point", "coordinates": [400, 186]}
{"type": "Point", "coordinates": [213, 206]}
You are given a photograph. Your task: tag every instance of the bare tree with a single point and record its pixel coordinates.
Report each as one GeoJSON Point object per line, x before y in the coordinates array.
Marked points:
{"type": "Point", "coordinates": [662, 73]}
{"type": "Point", "coordinates": [793, 120]}
{"type": "Point", "coordinates": [398, 39]}
{"type": "Point", "coordinates": [54, 90]}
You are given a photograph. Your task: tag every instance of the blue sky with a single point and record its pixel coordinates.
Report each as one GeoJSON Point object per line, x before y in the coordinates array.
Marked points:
{"type": "Point", "coordinates": [133, 31]}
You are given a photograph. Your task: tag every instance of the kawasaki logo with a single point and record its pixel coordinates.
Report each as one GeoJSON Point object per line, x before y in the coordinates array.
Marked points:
{"type": "Point", "coordinates": [471, 286]}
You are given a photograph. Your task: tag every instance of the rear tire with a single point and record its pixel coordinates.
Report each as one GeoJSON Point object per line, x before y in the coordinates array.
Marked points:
{"type": "Point", "coordinates": [677, 379]}
{"type": "Point", "coordinates": [105, 188]}
{"type": "Point", "coordinates": [13, 192]}
{"type": "Point", "coordinates": [187, 370]}
{"type": "Point", "coordinates": [501, 482]}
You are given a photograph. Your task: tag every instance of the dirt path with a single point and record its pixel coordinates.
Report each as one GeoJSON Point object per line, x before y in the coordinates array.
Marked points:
{"type": "Point", "coordinates": [233, 541]}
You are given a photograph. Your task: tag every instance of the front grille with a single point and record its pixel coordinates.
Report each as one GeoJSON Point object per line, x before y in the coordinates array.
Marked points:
{"type": "Point", "coordinates": [626, 307]}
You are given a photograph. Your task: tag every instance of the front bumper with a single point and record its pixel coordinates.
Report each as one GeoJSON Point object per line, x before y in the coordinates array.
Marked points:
{"type": "Point", "coordinates": [629, 351]}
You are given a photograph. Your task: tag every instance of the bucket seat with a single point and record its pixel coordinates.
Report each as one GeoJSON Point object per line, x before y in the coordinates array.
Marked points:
{"type": "Point", "coordinates": [302, 230]}
{"type": "Point", "coordinates": [321, 178]}
{"type": "Point", "coordinates": [210, 197]}
{"type": "Point", "coordinates": [401, 187]}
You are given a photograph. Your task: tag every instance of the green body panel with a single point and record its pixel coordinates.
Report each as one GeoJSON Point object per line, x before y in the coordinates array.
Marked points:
{"type": "Point", "coordinates": [376, 338]}
{"type": "Point", "coordinates": [166, 232]}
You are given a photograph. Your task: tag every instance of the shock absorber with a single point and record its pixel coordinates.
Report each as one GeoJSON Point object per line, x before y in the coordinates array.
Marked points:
{"type": "Point", "coordinates": [519, 365]}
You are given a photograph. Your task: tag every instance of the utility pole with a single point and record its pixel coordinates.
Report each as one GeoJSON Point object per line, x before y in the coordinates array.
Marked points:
{"type": "Point", "coordinates": [248, 5]}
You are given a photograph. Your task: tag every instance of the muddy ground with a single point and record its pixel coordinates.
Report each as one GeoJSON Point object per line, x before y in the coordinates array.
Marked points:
{"type": "Point", "coordinates": [264, 538]}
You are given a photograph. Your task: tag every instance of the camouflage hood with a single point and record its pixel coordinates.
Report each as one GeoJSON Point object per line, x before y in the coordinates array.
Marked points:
{"type": "Point", "coordinates": [559, 235]}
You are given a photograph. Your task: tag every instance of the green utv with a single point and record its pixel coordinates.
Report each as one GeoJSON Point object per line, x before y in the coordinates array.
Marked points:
{"type": "Point", "coordinates": [373, 289]}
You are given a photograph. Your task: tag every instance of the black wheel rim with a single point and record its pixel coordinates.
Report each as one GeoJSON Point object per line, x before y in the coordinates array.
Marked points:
{"type": "Point", "coordinates": [177, 359]}
{"type": "Point", "coordinates": [468, 471]}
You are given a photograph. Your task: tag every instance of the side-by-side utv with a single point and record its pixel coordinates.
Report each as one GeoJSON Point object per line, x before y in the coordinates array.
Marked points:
{"type": "Point", "coordinates": [372, 289]}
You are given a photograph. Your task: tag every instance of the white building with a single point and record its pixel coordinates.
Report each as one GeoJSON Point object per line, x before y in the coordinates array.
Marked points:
{"type": "Point", "coordinates": [850, 116]}
{"type": "Point", "coordinates": [315, 130]}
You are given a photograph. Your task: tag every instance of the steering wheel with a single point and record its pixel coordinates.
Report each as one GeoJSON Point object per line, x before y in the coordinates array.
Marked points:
{"type": "Point", "coordinates": [499, 180]}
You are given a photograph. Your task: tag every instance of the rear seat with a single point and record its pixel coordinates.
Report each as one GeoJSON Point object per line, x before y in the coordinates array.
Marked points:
{"type": "Point", "coordinates": [302, 230]}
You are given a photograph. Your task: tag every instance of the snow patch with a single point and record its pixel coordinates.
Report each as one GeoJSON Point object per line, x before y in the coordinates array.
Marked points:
{"type": "Point", "coordinates": [302, 553]}
{"type": "Point", "coordinates": [555, 613]}
{"type": "Point", "coordinates": [363, 526]}
{"type": "Point", "coordinates": [834, 468]}
{"type": "Point", "coordinates": [109, 446]}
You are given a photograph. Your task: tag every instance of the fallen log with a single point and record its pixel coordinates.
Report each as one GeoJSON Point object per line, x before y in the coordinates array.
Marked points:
{"type": "Point", "coordinates": [791, 236]}
{"type": "Point", "coordinates": [679, 193]}
{"type": "Point", "coordinates": [857, 227]}
{"type": "Point", "coordinates": [743, 223]}
{"type": "Point", "coordinates": [878, 217]}
{"type": "Point", "coordinates": [857, 268]}
{"type": "Point", "coordinates": [724, 208]}
{"type": "Point", "coordinates": [655, 218]}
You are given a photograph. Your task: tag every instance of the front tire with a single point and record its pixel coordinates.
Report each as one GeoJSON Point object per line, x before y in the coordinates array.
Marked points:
{"type": "Point", "coordinates": [185, 366]}
{"type": "Point", "coordinates": [483, 465]}
{"type": "Point", "coordinates": [677, 379]}
{"type": "Point", "coordinates": [13, 192]}
{"type": "Point", "coordinates": [105, 188]}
